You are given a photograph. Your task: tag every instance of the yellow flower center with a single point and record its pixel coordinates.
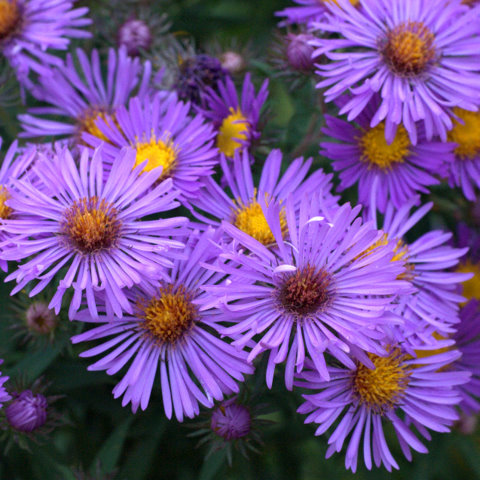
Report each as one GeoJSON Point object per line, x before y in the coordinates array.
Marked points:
{"type": "Point", "coordinates": [10, 18]}
{"type": "Point", "coordinates": [90, 225]}
{"type": "Point", "coordinates": [466, 135]}
{"type": "Point", "coordinates": [471, 287]}
{"type": "Point", "coordinates": [158, 153]}
{"type": "Point", "coordinates": [377, 152]}
{"type": "Point", "coordinates": [233, 128]}
{"type": "Point", "coordinates": [408, 48]}
{"type": "Point", "coordinates": [250, 219]}
{"type": "Point", "coordinates": [5, 210]}
{"type": "Point", "coordinates": [87, 122]}
{"type": "Point", "coordinates": [169, 316]}
{"type": "Point", "coordinates": [380, 389]}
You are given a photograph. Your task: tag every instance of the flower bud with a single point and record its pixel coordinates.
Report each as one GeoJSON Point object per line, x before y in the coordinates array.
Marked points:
{"type": "Point", "coordinates": [135, 35]}
{"type": "Point", "coordinates": [231, 420]}
{"type": "Point", "coordinates": [299, 52]}
{"type": "Point", "coordinates": [27, 412]}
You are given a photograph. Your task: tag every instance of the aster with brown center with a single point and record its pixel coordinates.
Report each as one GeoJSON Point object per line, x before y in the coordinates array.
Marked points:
{"type": "Point", "coordinates": [421, 63]}
{"type": "Point", "coordinates": [173, 329]}
{"type": "Point", "coordinates": [92, 223]}
{"type": "Point", "coordinates": [313, 293]}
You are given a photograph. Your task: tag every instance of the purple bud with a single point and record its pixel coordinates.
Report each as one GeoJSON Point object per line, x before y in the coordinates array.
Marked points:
{"type": "Point", "coordinates": [135, 35]}
{"type": "Point", "coordinates": [27, 412]}
{"type": "Point", "coordinates": [231, 420]}
{"type": "Point", "coordinates": [299, 52]}
{"type": "Point", "coordinates": [40, 319]}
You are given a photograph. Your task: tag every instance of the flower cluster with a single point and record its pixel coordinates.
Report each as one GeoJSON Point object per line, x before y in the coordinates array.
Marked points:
{"type": "Point", "coordinates": [188, 254]}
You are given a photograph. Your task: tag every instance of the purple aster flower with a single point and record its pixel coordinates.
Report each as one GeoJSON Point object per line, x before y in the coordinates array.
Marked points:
{"type": "Point", "coordinates": [14, 165]}
{"type": "Point", "coordinates": [27, 412]}
{"type": "Point", "coordinates": [310, 11]}
{"type": "Point", "coordinates": [236, 120]}
{"type": "Point", "coordinates": [92, 227]}
{"type": "Point", "coordinates": [172, 328]}
{"type": "Point", "coordinates": [465, 170]}
{"type": "Point", "coordinates": [467, 340]}
{"type": "Point", "coordinates": [315, 293]}
{"type": "Point", "coordinates": [363, 155]}
{"type": "Point", "coordinates": [243, 208]}
{"type": "Point", "coordinates": [4, 396]}
{"type": "Point", "coordinates": [400, 391]}
{"type": "Point", "coordinates": [420, 55]}
{"type": "Point", "coordinates": [163, 134]}
{"type": "Point", "coordinates": [428, 261]}
{"type": "Point", "coordinates": [82, 94]}
{"type": "Point", "coordinates": [28, 28]}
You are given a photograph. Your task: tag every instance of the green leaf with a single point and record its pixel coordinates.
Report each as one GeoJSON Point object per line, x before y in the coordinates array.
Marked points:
{"type": "Point", "coordinates": [110, 452]}
{"type": "Point", "coordinates": [212, 465]}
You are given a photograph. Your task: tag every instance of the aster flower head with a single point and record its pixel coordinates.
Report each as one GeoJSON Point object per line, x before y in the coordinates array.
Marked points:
{"type": "Point", "coordinates": [470, 264]}
{"type": "Point", "coordinates": [401, 391]}
{"type": "Point", "coordinates": [14, 166]}
{"type": "Point", "coordinates": [363, 155]}
{"type": "Point", "coordinates": [465, 170]}
{"type": "Point", "coordinates": [429, 260]}
{"type": "Point", "coordinates": [174, 329]}
{"type": "Point", "coordinates": [319, 291]}
{"type": "Point", "coordinates": [163, 134]}
{"type": "Point", "coordinates": [236, 120]}
{"type": "Point", "coordinates": [423, 64]}
{"type": "Point", "coordinates": [243, 208]}
{"type": "Point", "coordinates": [91, 227]}
{"type": "Point", "coordinates": [82, 95]}
{"type": "Point", "coordinates": [29, 28]}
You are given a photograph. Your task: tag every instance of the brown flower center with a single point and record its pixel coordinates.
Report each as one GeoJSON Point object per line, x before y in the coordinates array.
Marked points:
{"type": "Point", "coordinates": [91, 225]}
{"type": "Point", "coordinates": [304, 292]}
{"type": "Point", "coordinates": [409, 48]}
{"type": "Point", "coordinates": [10, 18]}
{"type": "Point", "coordinates": [169, 316]}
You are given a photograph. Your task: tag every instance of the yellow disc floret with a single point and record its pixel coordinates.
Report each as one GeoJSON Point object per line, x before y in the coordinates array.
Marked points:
{"type": "Point", "coordinates": [249, 218]}
{"type": "Point", "coordinates": [466, 134]}
{"type": "Point", "coordinates": [353, 2]}
{"type": "Point", "coordinates": [377, 152]}
{"type": "Point", "coordinates": [380, 389]}
{"type": "Point", "coordinates": [10, 18]}
{"type": "Point", "coordinates": [158, 153]}
{"type": "Point", "coordinates": [87, 122]}
{"type": "Point", "coordinates": [233, 128]}
{"type": "Point", "coordinates": [471, 287]}
{"type": "Point", "coordinates": [409, 48]}
{"type": "Point", "coordinates": [169, 315]}
{"type": "Point", "coordinates": [5, 210]}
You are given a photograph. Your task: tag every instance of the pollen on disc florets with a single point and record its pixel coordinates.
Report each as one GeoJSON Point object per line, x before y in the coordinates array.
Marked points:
{"type": "Point", "coordinates": [378, 153]}
{"type": "Point", "coordinates": [381, 388]}
{"type": "Point", "coordinates": [158, 153]}
{"type": "Point", "coordinates": [249, 218]}
{"type": "Point", "coordinates": [90, 225]}
{"type": "Point", "coordinates": [304, 292]}
{"type": "Point", "coordinates": [408, 49]}
{"type": "Point", "coordinates": [232, 131]}
{"type": "Point", "coordinates": [168, 316]}
{"type": "Point", "coordinates": [10, 18]}
{"type": "Point", "coordinates": [466, 134]}
{"type": "Point", "coordinates": [87, 122]}
{"type": "Point", "coordinates": [5, 210]}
